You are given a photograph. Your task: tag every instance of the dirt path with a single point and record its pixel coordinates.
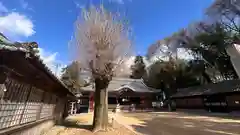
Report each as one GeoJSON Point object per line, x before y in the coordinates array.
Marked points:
{"type": "Point", "coordinates": [81, 125]}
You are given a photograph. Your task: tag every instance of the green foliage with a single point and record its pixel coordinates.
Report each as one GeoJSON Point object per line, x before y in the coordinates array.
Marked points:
{"type": "Point", "coordinates": [174, 74]}
{"type": "Point", "coordinates": [198, 68]}
{"type": "Point", "coordinates": [207, 41]}
{"type": "Point", "coordinates": [138, 68]}
{"type": "Point", "coordinates": [211, 47]}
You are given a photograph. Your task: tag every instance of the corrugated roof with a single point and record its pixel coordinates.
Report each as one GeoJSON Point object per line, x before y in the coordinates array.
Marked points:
{"type": "Point", "coordinates": [209, 89]}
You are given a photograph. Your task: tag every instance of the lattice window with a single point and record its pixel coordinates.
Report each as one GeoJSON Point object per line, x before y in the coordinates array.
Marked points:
{"type": "Point", "coordinates": [56, 107]}
{"type": "Point", "coordinates": [33, 106]}
{"type": "Point", "coordinates": [59, 108]}
{"type": "Point", "coordinates": [53, 103]}
{"type": "Point", "coordinates": [47, 108]}
{"type": "Point", "coordinates": [22, 103]}
{"type": "Point", "coordinates": [12, 104]}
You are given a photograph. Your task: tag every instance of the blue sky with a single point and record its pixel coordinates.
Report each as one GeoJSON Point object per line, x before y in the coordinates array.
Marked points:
{"type": "Point", "coordinates": [50, 22]}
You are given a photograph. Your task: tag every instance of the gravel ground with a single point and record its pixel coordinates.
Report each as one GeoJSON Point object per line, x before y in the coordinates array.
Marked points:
{"type": "Point", "coordinates": [178, 123]}
{"type": "Point", "coordinates": [153, 123]}
{"type": "Point", "coordinates": [81, 125]}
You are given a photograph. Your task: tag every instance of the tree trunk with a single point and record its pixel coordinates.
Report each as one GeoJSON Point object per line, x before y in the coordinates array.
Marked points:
{"type": "Point", "coordinates": [100, 120]}
{"type": "Point", "coordinates": [105, 111]}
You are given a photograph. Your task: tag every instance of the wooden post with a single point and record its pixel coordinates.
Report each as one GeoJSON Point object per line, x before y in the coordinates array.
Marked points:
{"type": "Point", "coordinates": [41, 105]}
{"type": "Point", "coordinates": [91, 102]}
{"type": "Point", "coordinates": [3, 78]}
{"type": "Point", "coordinates": [71, 112]}
{"type": "Point", "coordinates": [72, 108]}
{"type": "Point", "coordinates": [65, 109]}
{"type": "Point", "coordinates": [25, 104]}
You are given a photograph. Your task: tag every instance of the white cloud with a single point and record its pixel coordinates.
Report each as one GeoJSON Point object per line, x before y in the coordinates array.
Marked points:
{"type": "Point", "coordinates": [3, 9]}
{"type": "Point", "coordinates": [15, 24]}
{"type": "Point", "coordinates": [125, 68]}
{"type": "Point", "coordinates": [181, 53]}
{"type": "Point", "coordinates": [163, 52]}
{"type": "Point", "coordinates": [51, 60]}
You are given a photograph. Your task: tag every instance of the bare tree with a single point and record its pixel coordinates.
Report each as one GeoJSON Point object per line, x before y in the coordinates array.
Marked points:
{"type": "Point", "coordinates": [124, 70]}
{"type": "Point", "coordinates": [101, 42]}
{"type": "Point", "coordinates": [227, 12]}
{"type": "Point", "coordinates": [226, 7]}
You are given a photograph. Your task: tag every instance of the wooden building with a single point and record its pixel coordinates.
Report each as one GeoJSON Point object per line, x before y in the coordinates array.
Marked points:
{"type": "Point", "coordinates": [122, 91]}
{"type": "Point", "coordinates": [32, 99]}
{"type": "Point", "coordinates": [217, 97]}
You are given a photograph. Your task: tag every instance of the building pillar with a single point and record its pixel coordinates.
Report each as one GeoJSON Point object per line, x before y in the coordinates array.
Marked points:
{"type": "Point", "coordinates": [91, 102]}
{"type": "Point", "coordinates": [72, 108]}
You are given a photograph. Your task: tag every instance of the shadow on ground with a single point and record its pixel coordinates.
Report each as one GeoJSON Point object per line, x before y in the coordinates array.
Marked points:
{"type": "Point", "coordinates": [233, 116]}
{"type": "Point", "coordinates": [184, 124]}
{"type": "Point", "coordinates": [82, 125]}
{"type": "Point", "coordinates": [71, 123]}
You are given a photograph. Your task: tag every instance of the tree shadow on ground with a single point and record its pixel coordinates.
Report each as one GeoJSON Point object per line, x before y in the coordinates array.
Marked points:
{"type": "Point", "coordinates": [214, 114]}
{"type": "Point", "coordinates": [172, 124]}
{"type": "Point", "coordinates": [224, 115]}
{"type": "Point", "coordinates": [71, 123]}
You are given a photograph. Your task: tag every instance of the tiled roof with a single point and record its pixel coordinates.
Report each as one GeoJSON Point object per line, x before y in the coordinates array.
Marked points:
{"type": "Point", "coordinates": [8, 46]}
{"type": "Point", "coordinates": [12, 47]}
{"type": "Point", "coordinates": [117, 84]}
{"type": "Point", "coordinates": [209, 89]}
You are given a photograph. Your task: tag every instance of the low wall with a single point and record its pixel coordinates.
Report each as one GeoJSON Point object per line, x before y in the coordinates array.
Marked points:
{"type": "Point", "coordinates": [220, 102]}
{"type": "Point", "coordinates": [34, 128]}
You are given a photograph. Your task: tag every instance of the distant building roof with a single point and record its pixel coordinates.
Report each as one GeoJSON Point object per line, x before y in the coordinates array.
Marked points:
{"type": "Point", "coordinates": [209, 89]}
{"type": "Point", "coordinates": [117, 84]}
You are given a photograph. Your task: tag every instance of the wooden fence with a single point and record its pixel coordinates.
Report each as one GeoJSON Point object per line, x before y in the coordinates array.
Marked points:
{"type": "Point", "coordinates": [22, 103]}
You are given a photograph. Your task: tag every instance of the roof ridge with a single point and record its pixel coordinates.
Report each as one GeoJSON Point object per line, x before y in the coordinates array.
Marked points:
{"type": "Point", "coordinates": [142, 81]}
{"type": "Point", "coordinates": [15, 47]}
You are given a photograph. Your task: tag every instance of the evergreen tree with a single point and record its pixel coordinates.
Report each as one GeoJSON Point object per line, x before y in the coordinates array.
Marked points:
{"type": "Point", "coordinates": [138, 68]}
